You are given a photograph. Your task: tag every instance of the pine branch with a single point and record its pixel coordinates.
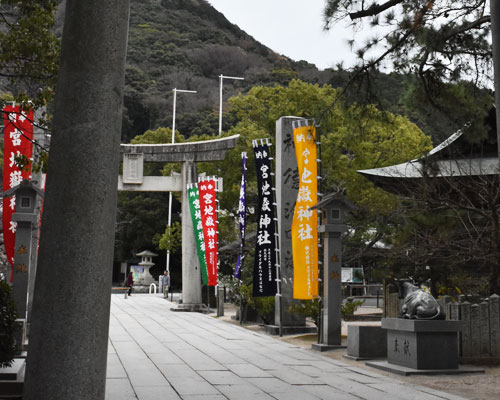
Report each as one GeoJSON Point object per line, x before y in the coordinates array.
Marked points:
{"type": "Point", "coordinates": [467, 27]}
{"type": "Point", "coordinates": [374, 9]}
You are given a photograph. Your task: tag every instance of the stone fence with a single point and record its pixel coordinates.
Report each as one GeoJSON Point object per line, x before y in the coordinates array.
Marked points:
{"type": "Point", "coordinates": [480, 336]}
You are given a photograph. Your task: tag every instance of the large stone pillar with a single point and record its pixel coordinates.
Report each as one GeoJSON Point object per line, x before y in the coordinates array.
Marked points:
{"type": "Point", "coordinates": [287, 185]}
{"type": "Point", "coordinates": [332, 289]}
{"type": "Point", "coordinates": [37, 178]}
{"type": "Point", "coordinates": [69, 333]}
{"type": "Point", "coordinates": [333, 209]}
{"type": "Point", "coordinates": [495, 41]}
{"type": "Point", "coordinates": [191, 274]}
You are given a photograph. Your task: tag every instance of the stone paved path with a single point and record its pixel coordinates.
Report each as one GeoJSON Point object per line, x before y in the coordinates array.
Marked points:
{"type": "Point", "coordinates": [158, 354]}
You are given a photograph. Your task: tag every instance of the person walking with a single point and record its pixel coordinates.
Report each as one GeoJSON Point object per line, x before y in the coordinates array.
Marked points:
{"type": "Point", "coordinates": [130, 283]}
{"type": "Point", "coordinates": [165, 281]}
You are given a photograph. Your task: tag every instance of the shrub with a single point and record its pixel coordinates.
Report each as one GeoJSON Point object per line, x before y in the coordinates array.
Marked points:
{"type": "Point", "coordinates": [307, 308]}
{"type": "Point", "coordinates": [310, 308]}
{"type": "Point", "coordinates": [8, 315]}
{"type": "Point", "coordinates": [349, 307]}
{"type": "Point", "coordinates": [263, 305]}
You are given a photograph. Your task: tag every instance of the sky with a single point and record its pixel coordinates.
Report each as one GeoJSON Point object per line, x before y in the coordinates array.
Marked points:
{"type": "Point", "coordinates": [293, 28]}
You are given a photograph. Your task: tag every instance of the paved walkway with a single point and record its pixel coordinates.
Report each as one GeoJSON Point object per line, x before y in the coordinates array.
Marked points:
{"type": "Point", "coordinates": [158, 354]}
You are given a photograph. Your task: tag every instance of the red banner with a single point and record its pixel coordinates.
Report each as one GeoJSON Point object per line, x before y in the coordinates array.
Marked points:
{"type": "Point", "coordinates": [18, 136]}
{"type": "Point", "coordinates": [208, 208]}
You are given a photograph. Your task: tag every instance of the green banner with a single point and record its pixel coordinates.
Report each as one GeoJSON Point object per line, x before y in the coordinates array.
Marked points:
{"type": "Point", "coordinates": [194, 206]}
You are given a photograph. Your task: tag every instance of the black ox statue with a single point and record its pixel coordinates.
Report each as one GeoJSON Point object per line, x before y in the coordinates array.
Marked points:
{"type": "Point", "coordinates": [418, 304]}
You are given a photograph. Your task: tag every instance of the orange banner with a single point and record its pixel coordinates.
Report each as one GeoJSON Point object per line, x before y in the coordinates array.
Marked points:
{"type": "Point", "coordinates": [305, 220]}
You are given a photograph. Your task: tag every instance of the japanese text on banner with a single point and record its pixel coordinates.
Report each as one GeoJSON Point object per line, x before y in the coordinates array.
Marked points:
{"type": "Point", "coordinates": [305, 220]}
{"type": "Point", "coordinates": [264, 276]}
{"type": "Point", "coordinates": [194, 206]}
{"type": "Point", "coordinates": [241, 215]}
{"type": "Point", "coordinates": [208, 209]}
{"type": "Point", "coordinates": [18, 136]}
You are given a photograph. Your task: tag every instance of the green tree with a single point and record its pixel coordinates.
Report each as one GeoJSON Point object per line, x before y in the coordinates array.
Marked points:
{"type": "Point", "coordinates": [171, 239]}
{"type": "Point", "coordinates": [443, 40]}
{"type": "Point", "coordinates": [29, 51]}
{"type": "Point", "coordinates": [352, 137]}
{"type": "Point", "coordinates": [8, 315]}
{"type": "Point", "coordinates": [440, 42]}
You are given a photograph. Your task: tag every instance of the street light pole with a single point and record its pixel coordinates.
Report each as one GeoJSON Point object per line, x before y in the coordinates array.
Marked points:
{"type": "Point", "coordinates": [221, 78]}
{"type": "Point", "coordinates": [175, 90]}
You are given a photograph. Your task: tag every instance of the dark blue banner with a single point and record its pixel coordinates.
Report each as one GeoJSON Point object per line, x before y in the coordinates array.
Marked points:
{"type": "Point", "coordinates": [264, 277]}
{"type": "Point", "coordinates": [242, 215]}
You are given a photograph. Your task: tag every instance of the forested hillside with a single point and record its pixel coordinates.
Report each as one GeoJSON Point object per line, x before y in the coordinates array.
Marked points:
{"type": "Point", "coordinates": [188, 44]}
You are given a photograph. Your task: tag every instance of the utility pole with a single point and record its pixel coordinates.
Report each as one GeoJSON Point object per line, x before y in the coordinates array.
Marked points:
{"type": "Point", "coordinates": [175, 90]}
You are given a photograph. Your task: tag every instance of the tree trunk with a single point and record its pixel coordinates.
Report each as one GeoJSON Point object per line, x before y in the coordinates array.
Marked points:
{"type": "Point", "coordinates": [69, 333]}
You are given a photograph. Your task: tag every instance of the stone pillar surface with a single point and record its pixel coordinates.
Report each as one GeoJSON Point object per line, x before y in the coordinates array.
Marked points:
{"type": "Point", "coordinates": [69, 332]}
{"type": "Point", "coordinates": [22, 255]}
{"type": "Point", "coordinates": [465, 317]}
{"type": "Point", "coordinates": [191, 274]}
{"type": "Point", "coordinates": [287, 185]}
{"type": "Point", "coordinates": [494, 304]}
{"type": "Point", "coordinates": [485, 328]}
{"type": "Point", "coordinates": [495, 41]}
{"type": "Point", "coordinates": [37, 178]}
{"type": "Point", "coordinates": [332, 289]}
{"type": "Point", "coordinates": [475, 330]}
{"type": "Point", "coordinates": [455, 316]}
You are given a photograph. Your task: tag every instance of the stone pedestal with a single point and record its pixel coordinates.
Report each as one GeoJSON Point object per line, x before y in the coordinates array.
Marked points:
{"type": "Point", "coordinates": [193, 307]}
{"type": "Point", "coordinates": [430, 346]}
{"type": "Point", "coordinates": [422, 344]}
{"type": "Point", "coordinates": [366, 342]}
{"type": "Point", "coordinates": [12, 379]}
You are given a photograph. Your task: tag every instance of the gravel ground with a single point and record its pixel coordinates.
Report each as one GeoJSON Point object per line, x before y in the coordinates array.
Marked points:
{"type": "Point", "coordinates": [472, 386]}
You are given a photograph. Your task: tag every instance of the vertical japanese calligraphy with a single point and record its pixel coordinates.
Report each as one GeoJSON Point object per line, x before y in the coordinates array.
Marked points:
{"type": "Point", "coordinates": [264, 276]}
{"type": "Point", "coordinates": [194, 206]}
{"type": "Point", "coordinates": [18, 136]}
{"type": "Point", "coordinates": [208, 209]}
{"type": "Point", "coordinates": [241, 215]}
{"type": "Point", "coordinates": [305, 220]}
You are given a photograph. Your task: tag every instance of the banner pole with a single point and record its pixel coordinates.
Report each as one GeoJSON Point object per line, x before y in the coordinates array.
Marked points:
{"type": "Point", "coordinates": [320, 264]}
{"type": "Point", "coordinates": [277, 251]}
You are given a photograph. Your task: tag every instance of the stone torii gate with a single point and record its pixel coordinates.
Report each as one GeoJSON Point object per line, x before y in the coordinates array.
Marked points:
{"type": "Point", "coordinates": [134, 155]}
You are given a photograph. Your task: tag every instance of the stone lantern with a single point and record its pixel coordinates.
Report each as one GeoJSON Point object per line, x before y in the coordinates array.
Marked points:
{"type": "Point", "coordinates": [333, 210]}
{"type": "Point", "coordinates": [26, 216]}
{"type": "Point", "coordinates": [142, 276]}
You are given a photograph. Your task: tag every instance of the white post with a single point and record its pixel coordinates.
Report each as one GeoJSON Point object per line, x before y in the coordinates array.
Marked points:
{"type": "Point", "coordinates": [173, 114]}
{"type": "Point", "coordinates": [175, 90]}
{"type": "Point", "coordinates": [221, 78]}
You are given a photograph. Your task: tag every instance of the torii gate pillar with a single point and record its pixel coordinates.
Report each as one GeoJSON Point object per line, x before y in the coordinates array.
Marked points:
{"type": "Point", "coordinates": [191, 274]}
